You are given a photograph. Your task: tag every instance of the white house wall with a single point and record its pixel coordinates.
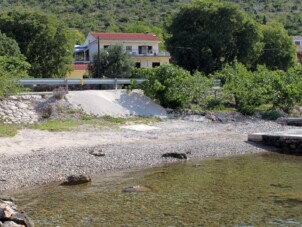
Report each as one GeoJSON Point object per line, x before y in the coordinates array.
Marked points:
{"type": "Point", "coordinates": [135, 45]}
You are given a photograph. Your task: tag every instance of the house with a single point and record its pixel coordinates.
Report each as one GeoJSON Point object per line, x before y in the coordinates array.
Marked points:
{"type": "Point", "coordinates": [142, 47]}
{"type": "Point", "coordinates": [298, 42]}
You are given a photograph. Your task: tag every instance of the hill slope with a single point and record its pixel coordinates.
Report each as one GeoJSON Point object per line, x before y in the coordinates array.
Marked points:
{"type": "Point", "coordinates": [107, 15]}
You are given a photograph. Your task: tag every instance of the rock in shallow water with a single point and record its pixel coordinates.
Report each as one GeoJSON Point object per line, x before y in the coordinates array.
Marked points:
{"type": "Point", "coordinates": [76, 179]}
{"type": "Point", "coordinates": [137, 188]}
{"type": "Point", "coordinates": [175, 155]}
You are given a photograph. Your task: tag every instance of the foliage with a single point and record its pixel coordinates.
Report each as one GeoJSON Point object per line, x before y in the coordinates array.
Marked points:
{"type": "Point", "coordinates": [250, 89]}
{"type": "Point", "coordinates": [8, 46]}
{"type": "Point", "coordinates": [44, 40]}
{"type": "Point", "coordinates": [11, 70]}
{"type": "Point", "coordinates": [201, 88]}
{"type": "Point", "coordinates": [206, 35]}
{"type": "Point", "coordinates": [272, 115]}
{"type": "Point", "coordinates": [169, 84]}
{"type": "Point", "coordinates": [114, 62]}
{"type": "Point", "coordinates": [242, 87]}
{"type": "Point", "coordinates": [98, 15]}
{"type": "Point", "coordinates": [287, 89]}
{"type": "Point", "coordinates": [279, 49]}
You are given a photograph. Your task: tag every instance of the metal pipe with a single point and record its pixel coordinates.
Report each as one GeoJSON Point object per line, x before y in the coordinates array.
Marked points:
{"type": "Point", "coordinates": [67, 82]}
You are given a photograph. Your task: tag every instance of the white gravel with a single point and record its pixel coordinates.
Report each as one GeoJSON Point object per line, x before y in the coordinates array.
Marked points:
{"type": "Point", "coordinates": [124, 149]}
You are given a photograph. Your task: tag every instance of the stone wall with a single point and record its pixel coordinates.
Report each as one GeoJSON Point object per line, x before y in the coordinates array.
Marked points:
{"type": "Point", "coordinates": [19, 110]}
{"type": "Point", "coordinates": [286, 144]}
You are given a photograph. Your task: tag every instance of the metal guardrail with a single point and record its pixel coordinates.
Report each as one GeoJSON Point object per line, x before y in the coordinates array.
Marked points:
{"type": "Point", "coordinates": [66, 82]}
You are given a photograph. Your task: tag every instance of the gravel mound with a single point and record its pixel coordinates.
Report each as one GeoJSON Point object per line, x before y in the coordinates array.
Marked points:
{"type": "Point", "coordinates": [117, 103]}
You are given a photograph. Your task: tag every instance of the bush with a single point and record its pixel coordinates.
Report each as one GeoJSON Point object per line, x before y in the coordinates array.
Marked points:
{"type": "Point", "coordinates": [272, 115]}
{"type": "Point", "coordinates": [59, 93]}
{"type": "Point", "coordinates": [171, 85]}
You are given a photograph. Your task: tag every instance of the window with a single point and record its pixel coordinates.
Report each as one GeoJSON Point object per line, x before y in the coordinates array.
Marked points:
{"type": "Point", "coordinates": [145, 50]}
{"type": "Point", "coordinates": [137, 64]}
{"type": "Point", "coordinates": [155, 64]}
{"type": "Point", "coordinates": [106, 46]}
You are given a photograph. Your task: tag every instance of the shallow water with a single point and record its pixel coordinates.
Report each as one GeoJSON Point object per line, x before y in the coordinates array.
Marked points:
{"type": "Point", "coordinates": [252, 190]}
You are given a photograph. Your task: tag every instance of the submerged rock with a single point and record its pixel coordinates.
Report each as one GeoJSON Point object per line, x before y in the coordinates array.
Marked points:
{"type": "Point", "coordinates": [76, 179]}
{"type": "Point", "coordinates": [175, 155]}
{"type": "Point", "coordinates": [137, 188]}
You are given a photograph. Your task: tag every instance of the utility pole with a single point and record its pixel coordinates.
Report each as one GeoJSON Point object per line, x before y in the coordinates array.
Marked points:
{"type": "Point", "coordinates": [98, 60]}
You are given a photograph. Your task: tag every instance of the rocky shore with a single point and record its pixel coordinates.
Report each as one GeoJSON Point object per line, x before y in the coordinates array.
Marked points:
{"type": "Point", "coordinates": [75, 152]}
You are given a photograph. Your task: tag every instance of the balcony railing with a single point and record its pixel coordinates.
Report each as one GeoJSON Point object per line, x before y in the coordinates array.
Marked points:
{"type": "Point", "coordinates": [150, 53]}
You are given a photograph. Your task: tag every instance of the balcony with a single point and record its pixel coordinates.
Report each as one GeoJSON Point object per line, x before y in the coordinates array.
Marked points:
{"type": "Point", "coordinates": [150, 53]}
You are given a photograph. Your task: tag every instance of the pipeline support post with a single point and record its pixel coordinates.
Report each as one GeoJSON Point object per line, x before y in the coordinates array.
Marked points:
{"type": "Point", "coordinates": [66, 86]}
{"type": "Point", "coordinates": [115, 83]}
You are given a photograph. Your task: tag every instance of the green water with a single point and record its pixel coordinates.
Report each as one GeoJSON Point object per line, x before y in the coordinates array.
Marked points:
{"type": "Point", "coordinates": [253, 190]}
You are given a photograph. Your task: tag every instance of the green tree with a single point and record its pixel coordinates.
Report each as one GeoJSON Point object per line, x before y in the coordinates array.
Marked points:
{"type": "Point", "coordinates": [8, 46]}
{"type": "Point", "coordinates": [113, 62]}
{"type": "Point", "coordinates": [279, 50]}
{"type": "Point", "coordinates": [44, 40]}
{"type": "Point", "coordinates": [205, 35]}
{"type": "Point", "coordinates": [242, 87]}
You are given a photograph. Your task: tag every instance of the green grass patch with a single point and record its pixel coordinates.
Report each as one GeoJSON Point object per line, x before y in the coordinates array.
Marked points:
{"type": "Point", "coordinates": [8, 130]}
{"type": "Point", "coordinates": [116, 120]}
{"type": "Point", "coordinates": [104, 122]}
{"type": "Point", "coordinates": [56, 125]}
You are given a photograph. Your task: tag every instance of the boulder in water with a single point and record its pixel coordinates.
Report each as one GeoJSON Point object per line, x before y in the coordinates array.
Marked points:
{"type": "Point", "coordinates": [76, 179]}
{"type": "Point", "coordinates": [137, 188]}
{"type": "Point", "coordinates": [175, 155]}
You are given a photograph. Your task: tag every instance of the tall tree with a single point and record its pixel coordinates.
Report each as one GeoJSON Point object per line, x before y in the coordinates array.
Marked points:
{"type": "Point", "coordinates": [45, 41]}
{"type": "Point", "coordinates": [205, 35]}
{"type": "Point", "coordinates": [279, 51]}
{"type": "Point", "coordinates": [113, 62]}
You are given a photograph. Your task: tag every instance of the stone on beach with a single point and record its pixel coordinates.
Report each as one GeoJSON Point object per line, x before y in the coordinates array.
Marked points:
{"type": "Point", "coordinates": [97, 152]}
{"type": "Point", "coordinates": [175, 155]}
{"type": "Point", "coordinates": [11, 217]}
{"type": "Point", "coordinates": [76, 179]}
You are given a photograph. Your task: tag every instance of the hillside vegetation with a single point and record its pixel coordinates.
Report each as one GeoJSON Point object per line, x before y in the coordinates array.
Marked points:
{"type": "Point", "coordinates": [107, 15]}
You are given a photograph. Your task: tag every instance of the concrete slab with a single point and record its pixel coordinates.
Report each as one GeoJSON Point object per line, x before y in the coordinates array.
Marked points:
{"type": "Point", "coordinates": [290, 133]}
{"type": "Point", "coordinates": [141, 127]}
{"type": "Point", "coordinates": [289, 141]}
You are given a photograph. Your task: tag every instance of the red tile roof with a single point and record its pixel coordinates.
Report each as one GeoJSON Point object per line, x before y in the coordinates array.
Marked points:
{"type": "Point", "coordinates": [125, 36]}
{"type": "Point", "coordinates": [80, 67]}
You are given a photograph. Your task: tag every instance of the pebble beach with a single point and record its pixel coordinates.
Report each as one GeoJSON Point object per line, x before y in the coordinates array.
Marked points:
{"type": "Point", "coordinates": [34, 158]}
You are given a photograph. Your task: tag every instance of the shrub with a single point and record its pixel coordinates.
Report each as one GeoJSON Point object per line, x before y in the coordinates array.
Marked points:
{"type": "Point", "coordinates": [170, 85]}
{"type": "Point", "coordinates": [59, 93]}
{"type": "Point", "coordinates": [272, 115]}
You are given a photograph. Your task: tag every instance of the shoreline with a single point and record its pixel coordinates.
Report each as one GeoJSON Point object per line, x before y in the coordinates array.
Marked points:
{"type": "Point", "coordinates": [124, 150]}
